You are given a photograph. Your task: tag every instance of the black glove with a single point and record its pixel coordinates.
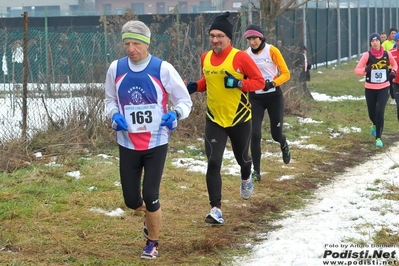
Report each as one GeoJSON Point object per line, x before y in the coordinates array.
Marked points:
{"type": "Point", "coordinates": [230, 81]}
{"type": "Point", "coordinates": [392, 75]}
{"type": "Point", "coordinates": [368, 68]}
{"type": "Point", "coordinates": [269, 85]}
{"type": "Point", "coordinates": [192, 87]}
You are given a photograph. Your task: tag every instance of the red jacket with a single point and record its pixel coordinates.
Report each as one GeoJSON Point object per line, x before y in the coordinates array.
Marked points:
{"type": "Point", "coordinates": [395, 55]}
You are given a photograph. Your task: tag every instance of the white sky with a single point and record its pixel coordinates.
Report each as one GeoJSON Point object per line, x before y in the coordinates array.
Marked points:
{"type": "Point", "coordinates": [348, 211]}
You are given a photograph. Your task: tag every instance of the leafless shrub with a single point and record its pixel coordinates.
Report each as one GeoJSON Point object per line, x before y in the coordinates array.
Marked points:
{"type": "Point", "coordinates": [13, 155]}
{"type": "Point", "coordinates": [85, 124]}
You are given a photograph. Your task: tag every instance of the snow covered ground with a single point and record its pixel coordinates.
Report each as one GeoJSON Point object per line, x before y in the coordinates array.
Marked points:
{"type": "Point", "coordinates": [338, 226]}
{"type": "Point", "coordinates": [349, 211]}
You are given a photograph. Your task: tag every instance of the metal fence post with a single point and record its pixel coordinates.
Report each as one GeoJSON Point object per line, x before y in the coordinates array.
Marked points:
{"type": "Point", "coordinates": [105, 36]}
{"type": "Point", "coordinates": [349, 33]}
{"type": "Point", "coordinates": [178, 37]}
{"type": "Point", "coordinates": [47, 51]}
{"type": "Point", "coordinates": [339, 32]}
{"type": "Point", "coordinates": [327, 44]}
{"type": "Point", "coordinates": [25, 79]}
{"type": "Point", "coordinates": [359, 47]}
{"type": "Point", "coordinates": [375, 20]}
{"type": "Point", "coordinates": [243, 24]}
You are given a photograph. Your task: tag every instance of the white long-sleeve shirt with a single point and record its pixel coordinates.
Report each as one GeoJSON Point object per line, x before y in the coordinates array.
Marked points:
{"type": "Point", "coordinates": [144, 86]}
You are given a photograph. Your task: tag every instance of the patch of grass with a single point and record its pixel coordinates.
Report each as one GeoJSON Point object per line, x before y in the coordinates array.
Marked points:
{"type": "Point", "coordinates": [395, 166]}
{"type": "Point", "coordinates": [337, 81]}
{"type": "Point", "coordinates": [393, 193]}
{"type": "Point", "coordinates": [47, 217]}
{"type": "Point", "coordinates": [386, 236]}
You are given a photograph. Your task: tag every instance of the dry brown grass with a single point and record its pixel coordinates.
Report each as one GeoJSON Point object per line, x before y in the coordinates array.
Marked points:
{"type": "Point", "coordinates": [60, 229]}
{"type": "Point", "coordinates": [13, 155]}
{"type": "Point", "coordinates": [45, 216]}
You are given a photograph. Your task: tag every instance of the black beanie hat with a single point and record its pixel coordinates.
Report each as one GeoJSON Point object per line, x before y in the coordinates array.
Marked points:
{"type": "Point", "coordinates": [374, 36]}
{"type": "Point", "coordinates": [221, 23]}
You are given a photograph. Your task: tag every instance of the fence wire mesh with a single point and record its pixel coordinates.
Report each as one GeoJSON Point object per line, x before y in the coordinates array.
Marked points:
{"type": "Point", "coordinates": [66, 68]}
{"type": "Point", "coordinates": [66, 62]}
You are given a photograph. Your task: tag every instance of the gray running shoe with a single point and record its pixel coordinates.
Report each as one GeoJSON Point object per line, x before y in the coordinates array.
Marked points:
{"type": "Point", "coordinates": [246, 188]}
{"type": "Point", "coordinates": [214, 216]}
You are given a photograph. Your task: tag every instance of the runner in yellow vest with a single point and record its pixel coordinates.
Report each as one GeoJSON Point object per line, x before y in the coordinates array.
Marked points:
{"type": "Point", "coordinates": [227, 76]}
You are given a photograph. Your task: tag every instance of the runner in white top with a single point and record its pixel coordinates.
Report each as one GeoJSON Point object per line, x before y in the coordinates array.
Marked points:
{"type": "Point", "coordinates": [272, 65]}
{"type": "Point", "coordinates": [137, 90]}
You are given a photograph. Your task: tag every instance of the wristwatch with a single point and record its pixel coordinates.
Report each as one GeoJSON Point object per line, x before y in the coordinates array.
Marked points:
{"type": "Point", "coordinates": [178, 115]}
{"type": "Point", "coordinates": [239, 84]}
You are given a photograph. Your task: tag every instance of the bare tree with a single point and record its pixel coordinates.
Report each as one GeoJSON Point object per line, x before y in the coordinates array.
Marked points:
{"type": "Point", "coordinates": [271, 9]}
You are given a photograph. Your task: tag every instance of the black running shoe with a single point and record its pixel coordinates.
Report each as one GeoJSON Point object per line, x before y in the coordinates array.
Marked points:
{"type": "Point", "coordinates": [255, 176]}
{"type": "Point", "coordinates": [286, 153]}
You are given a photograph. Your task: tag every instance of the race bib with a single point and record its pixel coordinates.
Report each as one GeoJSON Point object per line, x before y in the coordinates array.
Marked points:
{"type": "Point", "coordinates": [378, 75]}
{"type": "Point", "coordinates": [143, 118]}
{"type": "Point", "coordinates": [263, 92]}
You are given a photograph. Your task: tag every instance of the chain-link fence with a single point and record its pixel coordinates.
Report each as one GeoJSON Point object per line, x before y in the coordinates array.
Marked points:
{"type": "Point", "coordinates": [61, 76]}
{"type": "Point", "coordinates": [55, 82]}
